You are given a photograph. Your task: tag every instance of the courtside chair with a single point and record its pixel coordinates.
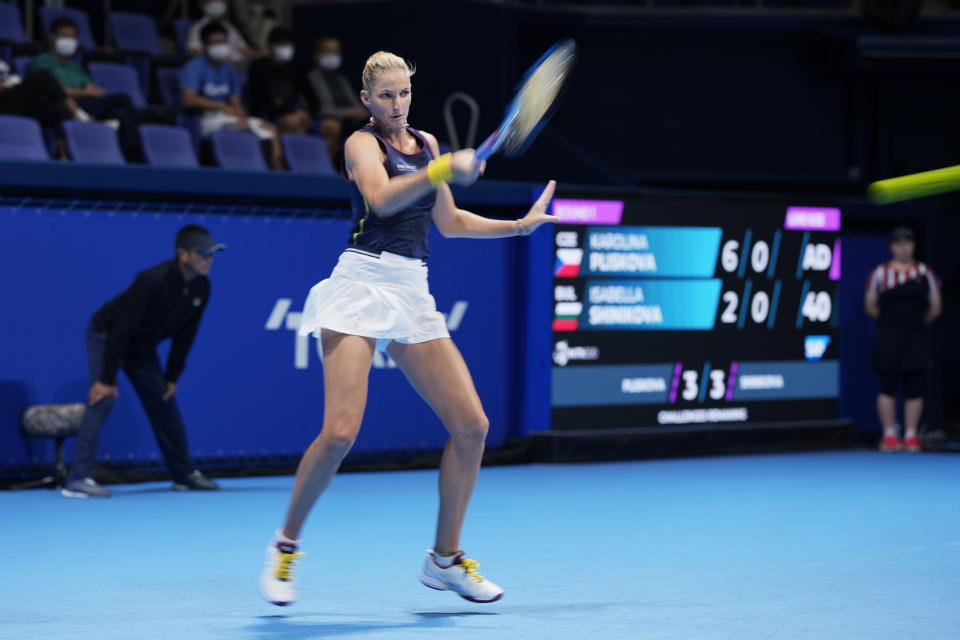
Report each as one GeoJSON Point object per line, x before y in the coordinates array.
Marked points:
{"type": "Point", "coordinates": [118, 78]}
{"type": "Point", "coordinates": [92, 142]}
{"type": "Point", "coordinates": [21, 138]}
{"type": "Point", "coordinates": [307, 154]}
{"type": "Point", "coordinates": [56, 421]}
{"type": "Point", "coordinates": [164, 145]}
{"type": "Point", "coordinates": [84, 32]}
{"type": "Point", "coordinates": [237, 150]}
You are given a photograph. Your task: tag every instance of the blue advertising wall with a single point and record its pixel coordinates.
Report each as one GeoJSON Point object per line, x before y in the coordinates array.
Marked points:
{"type": "Point", "coordinates": [251, 387]}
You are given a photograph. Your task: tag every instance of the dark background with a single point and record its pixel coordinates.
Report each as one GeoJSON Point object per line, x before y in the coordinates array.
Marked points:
{"type": "Point", "coordinates": [808, 99]}
{"type": "Point", "coordinates": [776, 97]}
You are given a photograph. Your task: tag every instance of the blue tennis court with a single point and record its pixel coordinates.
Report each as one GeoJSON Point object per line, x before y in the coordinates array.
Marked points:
{"type": "Point", "coordinates": [815, 545]}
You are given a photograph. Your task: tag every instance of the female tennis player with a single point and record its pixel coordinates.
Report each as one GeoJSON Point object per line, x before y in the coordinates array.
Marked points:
{"type": "Point", "coordinates": [377, 298]}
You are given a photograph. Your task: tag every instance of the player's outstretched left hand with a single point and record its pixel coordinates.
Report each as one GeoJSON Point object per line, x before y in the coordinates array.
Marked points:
{"type": "Point", "coordinates": [538, 212]}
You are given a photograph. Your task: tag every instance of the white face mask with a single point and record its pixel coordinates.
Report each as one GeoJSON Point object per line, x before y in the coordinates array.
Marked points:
{"type": "Point", "coordinates": [219, 52]}
{"type": "Point", "coordinates": [65, 46]}
{"type": "Point", "coordinates": [283, 53]}
{"type": "Point", "coordinates": [216, 9]}
{"type": "Point", "coordinates": [329, 61]}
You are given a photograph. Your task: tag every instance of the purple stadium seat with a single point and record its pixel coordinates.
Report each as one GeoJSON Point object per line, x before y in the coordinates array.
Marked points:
{"type": "Point", "coordinates": [307, 154]}
{"type": "Point", "coordinates": [21, 138]}
{"type": "Point", "coordinates": [181, 28]}
{"type": "Point", "coordinates": [135, 32]}
{"type": "Point", "coordinates": [167, 146]}
{"type": "Point", "coordinates": [92, 142]}
{"type": "Point", "coordinates": [118, 78]}
{"type": "Point", "coordinates": [169, 80]}
{"type": "Point", "coordinates": [237, 150]}
{"type": "Point", "coordinates": [84, 32]}
{"type": "Point", "coordinates": [21, 64]}
{"type": "Point", "coordinates": [11, 25]}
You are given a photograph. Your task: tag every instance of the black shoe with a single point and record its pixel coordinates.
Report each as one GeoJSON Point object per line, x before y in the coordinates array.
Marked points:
{"type": "Point", "coordinates": [196, 481]}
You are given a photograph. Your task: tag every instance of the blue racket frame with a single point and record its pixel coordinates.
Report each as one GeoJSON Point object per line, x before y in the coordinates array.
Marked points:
{"type": "Point", "coordinates": [493, 143]}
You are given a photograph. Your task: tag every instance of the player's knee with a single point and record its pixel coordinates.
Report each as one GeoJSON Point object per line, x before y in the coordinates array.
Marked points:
{"type": "Point", "coordinates": [339, 445]}
{"type": "Point", "coordinates": [472, 429]}
{"type": "Point", "coordinates": [339, 441]}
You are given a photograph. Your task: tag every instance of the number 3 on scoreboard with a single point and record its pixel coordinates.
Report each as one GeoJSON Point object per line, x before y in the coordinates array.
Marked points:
{"type": "Point", "coordinates": [691, 386]}
{"type": "Point", "coordinates": [717, 387]}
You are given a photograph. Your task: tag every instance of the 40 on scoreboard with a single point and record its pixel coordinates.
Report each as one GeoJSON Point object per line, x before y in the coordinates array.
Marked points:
{"type": "Point", "coordinates": [673, 310]}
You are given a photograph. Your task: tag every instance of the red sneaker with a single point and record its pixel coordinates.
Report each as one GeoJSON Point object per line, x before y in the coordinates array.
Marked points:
{"type": "Point", "coordinates": [891, 443]}
{"type": "Point", "coordinates": [912, 445]}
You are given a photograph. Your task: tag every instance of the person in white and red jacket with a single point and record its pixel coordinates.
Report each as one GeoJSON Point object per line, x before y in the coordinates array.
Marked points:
{"type": "Point", "coordinates": [903, 296]}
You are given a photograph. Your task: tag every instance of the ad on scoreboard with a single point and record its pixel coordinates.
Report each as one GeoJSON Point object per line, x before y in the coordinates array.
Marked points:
{"type": "Point", "coordinates": [671, 310]}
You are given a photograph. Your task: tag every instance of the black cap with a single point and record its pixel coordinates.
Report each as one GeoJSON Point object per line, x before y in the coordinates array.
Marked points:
{"type": "Point", "coordinates": [902, 233]}
{"type": "Point", "coordinates": [203, 243]}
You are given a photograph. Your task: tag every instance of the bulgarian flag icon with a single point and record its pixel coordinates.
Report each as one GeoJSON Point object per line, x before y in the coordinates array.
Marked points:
{"type": "Point", "coordinates": [566, 316]}
{"type": "Point", "coordinates": [568, 263]}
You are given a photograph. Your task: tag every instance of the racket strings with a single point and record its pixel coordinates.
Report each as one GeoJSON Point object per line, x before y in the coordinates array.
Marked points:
{"type": "Point", "coordinates": [537, 95]}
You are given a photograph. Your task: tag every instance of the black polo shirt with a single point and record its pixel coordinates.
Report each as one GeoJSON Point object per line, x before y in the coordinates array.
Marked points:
{"type": "Point", "coordinates": [159, 304]}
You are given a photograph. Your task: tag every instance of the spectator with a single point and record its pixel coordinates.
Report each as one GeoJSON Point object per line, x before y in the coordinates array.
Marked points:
{"type": "Point", "coordinates": [277, 90]}
{"type": "Point", "coordinates": [166, 301]}
{"type": "Point", "coordinates": [211, 85]}
{"type": "Point", "coordinates": [37, 96]}
{"type": "Point", "coordinates": [903, 296]}
{"type": "Point", "coordinates": [340, 108]}
{"type": "Point", "coordinates": [116, 109]}
{"type": "Point", "coordinates": [239, 52]}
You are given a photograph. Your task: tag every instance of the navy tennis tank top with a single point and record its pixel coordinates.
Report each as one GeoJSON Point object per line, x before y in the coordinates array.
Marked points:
{"type": "Point", "coordinates": [404, 232]}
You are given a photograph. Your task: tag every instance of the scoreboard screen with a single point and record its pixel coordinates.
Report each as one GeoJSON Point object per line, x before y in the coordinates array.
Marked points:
{"type": "Point", "coordinates": [672, 310]}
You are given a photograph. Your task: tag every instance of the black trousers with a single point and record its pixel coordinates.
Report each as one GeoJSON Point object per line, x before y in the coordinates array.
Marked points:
{"type": "Point", "coordinates": [146, 374]}
{"type": "Point", "coordinates": [117, 106]}
{"type": "Point", "coordinates": [39, 96]}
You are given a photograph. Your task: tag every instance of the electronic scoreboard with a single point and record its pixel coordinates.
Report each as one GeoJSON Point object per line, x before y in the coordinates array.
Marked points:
{"type": "Point", "coordinates": [671, 310]}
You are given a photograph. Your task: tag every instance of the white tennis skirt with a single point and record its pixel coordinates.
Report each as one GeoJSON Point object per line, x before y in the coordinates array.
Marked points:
{"type": "Point", "coordinates": [384, 297]}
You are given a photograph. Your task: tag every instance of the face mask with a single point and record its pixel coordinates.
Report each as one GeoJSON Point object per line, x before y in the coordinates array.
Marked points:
{"type": "Point", "coordinates": [329, 61]}
{"type": "Point", "coordinates": [283, 53]}
{"type": "Point", "coordinates": [215, 9]}
{"type": "Point", "coordinates": [65, 46]}
{"type": "Point", "coordinates": [219, 52]}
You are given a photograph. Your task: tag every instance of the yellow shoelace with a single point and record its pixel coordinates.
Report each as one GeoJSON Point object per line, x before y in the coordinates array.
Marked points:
{"type": "Point", "coordinates": [284, 568]}
{"type": "Point", "coordinates": [470, 566]}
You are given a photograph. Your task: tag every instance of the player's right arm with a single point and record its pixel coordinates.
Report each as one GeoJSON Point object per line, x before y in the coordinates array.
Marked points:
{"type": "Point", "coordinates": [871, 297]}
{"type": "Point", "coordinates": [934, 301]}
{"type": "Point", "coordinates": [385, 195]}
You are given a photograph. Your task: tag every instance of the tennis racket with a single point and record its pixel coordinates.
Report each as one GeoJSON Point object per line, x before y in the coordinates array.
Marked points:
{"type": "Point", "coordinates": [533, 104]}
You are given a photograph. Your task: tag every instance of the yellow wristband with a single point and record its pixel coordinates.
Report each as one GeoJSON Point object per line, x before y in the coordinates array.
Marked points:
{"type": "Point", "coordinates": [439, 170]}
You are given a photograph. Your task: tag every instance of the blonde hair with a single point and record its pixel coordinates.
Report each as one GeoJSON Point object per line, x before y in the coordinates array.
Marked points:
{"type": "Point", "coordinates": [381, 62]}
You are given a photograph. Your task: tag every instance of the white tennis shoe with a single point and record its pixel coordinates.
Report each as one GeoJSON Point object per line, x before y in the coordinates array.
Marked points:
{"type": "Point", "coordinates": [458, 574]}
{"type": "Point", "coordinates": [276, 582]}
